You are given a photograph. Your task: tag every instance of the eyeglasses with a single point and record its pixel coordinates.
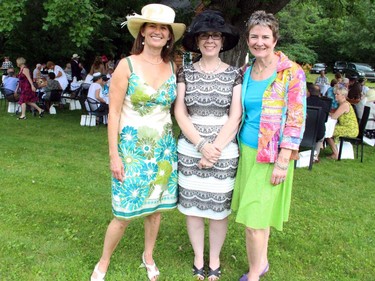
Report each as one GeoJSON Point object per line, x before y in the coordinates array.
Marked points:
{"type": "Point", "coordinates": [214, 36]}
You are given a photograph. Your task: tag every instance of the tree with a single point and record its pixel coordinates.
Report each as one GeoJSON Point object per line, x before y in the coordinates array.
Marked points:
{"type": "Point", "coordinates": [52, 29]}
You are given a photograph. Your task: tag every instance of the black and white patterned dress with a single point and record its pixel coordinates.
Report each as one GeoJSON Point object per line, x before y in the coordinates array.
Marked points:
{"type": "Point", "coordinates": [207, 192]}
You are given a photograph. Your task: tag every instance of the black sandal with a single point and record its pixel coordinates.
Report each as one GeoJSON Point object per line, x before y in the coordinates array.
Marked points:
{"type": "Point", "coordinates": [214, 273]}
{"type": "Point", "coordinates": [198, 274]}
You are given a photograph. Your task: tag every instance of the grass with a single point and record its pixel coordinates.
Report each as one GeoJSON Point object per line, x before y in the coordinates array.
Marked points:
{"type": "Point", "coordinates": [55, 207]}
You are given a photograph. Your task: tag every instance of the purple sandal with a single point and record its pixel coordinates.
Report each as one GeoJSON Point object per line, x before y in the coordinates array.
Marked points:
{"type": "Point", "coordinates": [265, 270]}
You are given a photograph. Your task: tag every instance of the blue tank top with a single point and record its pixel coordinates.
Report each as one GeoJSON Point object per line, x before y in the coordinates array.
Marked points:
{"type": "Point", "coordinates": [253, 109]}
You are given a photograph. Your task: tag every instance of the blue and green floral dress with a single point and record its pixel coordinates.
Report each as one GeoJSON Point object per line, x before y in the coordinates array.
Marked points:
{"type": "Point", "coordinates": [148, 150]}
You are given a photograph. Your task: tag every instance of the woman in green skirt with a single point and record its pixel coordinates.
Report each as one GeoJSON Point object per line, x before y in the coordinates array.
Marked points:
{"type": "Point", "coordinates": [274, 112]}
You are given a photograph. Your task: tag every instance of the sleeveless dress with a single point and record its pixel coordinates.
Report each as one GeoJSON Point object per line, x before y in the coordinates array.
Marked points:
{"type": "Point", "coordinates": [207, 192]}
{"type": "Point", "coordinates": [347, 125]}
{"type": "Point", "coordinates": [27, 95]}
{"type": "Point", "coordinates": [148, 150]}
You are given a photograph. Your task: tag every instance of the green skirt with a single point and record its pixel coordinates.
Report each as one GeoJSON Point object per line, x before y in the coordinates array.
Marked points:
{"type": "Point", "coordinates": [256, 202]}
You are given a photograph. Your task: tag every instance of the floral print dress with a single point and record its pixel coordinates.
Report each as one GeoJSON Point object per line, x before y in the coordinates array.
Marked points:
{"type": "Point", "coordinates": [148, 150]}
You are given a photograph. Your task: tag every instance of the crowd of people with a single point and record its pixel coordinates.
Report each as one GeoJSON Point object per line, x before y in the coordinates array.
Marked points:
{"type": "Point", "coordinates": [348, 98]}
{"type": "Point", "coordinates": [47, 77]}
{"type": "Point", "coordinates": [240, 131]}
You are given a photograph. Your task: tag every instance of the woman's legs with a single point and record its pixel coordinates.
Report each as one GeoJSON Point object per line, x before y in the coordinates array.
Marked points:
{"type": "Point", "coordinates": [152, 224]}
{"type": "Point", "coordinates": [218, 231]}
{"type": "Point", "coordinates": [34, 105]}
{"type": "Point", "coordinates": [115, 231]}
{"type": "Point", "coordinates": [195, 228]}
{"type": "Point", "coordinates": [256, 246]}
{"type": "Point", "coordinates": [335, 153]}
{"type": "Point", "coordinates": [23, 110]}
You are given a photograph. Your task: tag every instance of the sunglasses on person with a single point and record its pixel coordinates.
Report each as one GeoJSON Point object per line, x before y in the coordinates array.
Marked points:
{"type": "Point", "coordinates": [214, 36]}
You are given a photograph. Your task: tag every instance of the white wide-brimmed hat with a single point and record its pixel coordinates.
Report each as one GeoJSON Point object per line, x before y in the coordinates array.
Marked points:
{"type": "Point", "coordinates": [75, 56]}
{"type": "Point", "coordinates": [154, 13]}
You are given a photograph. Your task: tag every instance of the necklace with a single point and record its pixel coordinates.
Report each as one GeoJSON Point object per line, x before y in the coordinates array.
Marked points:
{"type": "Point", "coordinates": [209, 71]}
{"type": "Point", "coordinates": [265, 67]}
{"type": "Point", "coordinates": [153, 63]}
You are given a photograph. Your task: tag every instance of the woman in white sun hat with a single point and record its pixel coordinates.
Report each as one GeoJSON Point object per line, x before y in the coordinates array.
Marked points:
{"type": "Point", "coordinates": [142, 149]}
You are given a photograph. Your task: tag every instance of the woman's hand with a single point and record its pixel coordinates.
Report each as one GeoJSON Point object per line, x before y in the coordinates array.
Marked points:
{"type": "Point", "coordinates": [117, 168]}
{"type": "Point", "coordinates": [278, 175]}
{"type": "Point", "coordinates": [211, 152]}
{"type": "Point", "coordinates": [205, 164]}
{"type": "Point", "coordinates": [33, 88]}
{"type": "Point", "coordinates": [281, 165]}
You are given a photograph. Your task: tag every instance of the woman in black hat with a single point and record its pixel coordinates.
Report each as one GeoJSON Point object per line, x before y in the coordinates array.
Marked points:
{"type": "Point", "coordinates": [208, 111]}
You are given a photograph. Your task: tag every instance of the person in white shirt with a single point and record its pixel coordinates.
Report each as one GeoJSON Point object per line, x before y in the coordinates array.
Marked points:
{"type": "Point", "coordinates": [96, 91]}
{"type": "Point", "coordinates": [37, 72]}
{"type": "Point", "coordinates": [60, 74]}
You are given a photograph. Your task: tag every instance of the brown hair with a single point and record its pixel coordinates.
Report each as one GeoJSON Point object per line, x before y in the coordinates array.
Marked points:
{"type": "Point", "coordinates": [50, 64]}
{"type": "Point", "coordinates": [165, 52]}
{"type": "Point", "coordinates": [264, 19]}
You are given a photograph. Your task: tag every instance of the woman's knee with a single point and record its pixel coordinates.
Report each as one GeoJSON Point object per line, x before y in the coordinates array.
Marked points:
{"type": "Point", "coordinates": [253, 232]}
{"type": "Point", "coordinates": [120, 223]}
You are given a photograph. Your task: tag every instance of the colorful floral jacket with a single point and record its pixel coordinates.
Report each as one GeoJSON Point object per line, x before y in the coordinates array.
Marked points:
{"type": "Point", "coordinates": [282, 120]}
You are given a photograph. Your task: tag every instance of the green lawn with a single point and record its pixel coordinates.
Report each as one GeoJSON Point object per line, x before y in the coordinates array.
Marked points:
{"type": "Point", "coordinates": [55, 207]}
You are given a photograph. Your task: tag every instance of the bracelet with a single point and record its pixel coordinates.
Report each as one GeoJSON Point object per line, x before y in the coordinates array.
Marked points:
{"type": "Point", "coordinates": [199, 145]}
{"type": "Point", "coordinates": [281, 167]}
{"type": "Point", "coordinates": [202, 145]}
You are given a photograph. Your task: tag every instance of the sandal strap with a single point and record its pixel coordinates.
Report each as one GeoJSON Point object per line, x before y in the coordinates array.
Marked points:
{"type": "Point", "coordinates": [198, 272]}
{"type": "Point", "coordinates": [99, 275]}
{"type": "Point", "coordinates": [151, 269]}
{"type": "Point", "coordinates": [214, 273]}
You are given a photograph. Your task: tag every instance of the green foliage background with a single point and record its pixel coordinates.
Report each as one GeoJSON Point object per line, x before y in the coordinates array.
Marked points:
{"type": "Point", "coordinates": [312, 31]}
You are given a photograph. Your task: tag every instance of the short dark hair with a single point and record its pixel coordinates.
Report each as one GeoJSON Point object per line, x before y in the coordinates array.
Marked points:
{"type": "Point", "coordinates": [165, 52]}
{"type": "Point", "coordinates": [313, 89]}
{"type": "Point", "coordinates": [51, 75]}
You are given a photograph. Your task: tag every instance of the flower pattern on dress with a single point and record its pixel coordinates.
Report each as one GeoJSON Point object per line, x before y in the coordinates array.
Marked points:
{"type": "Point", "coordinates": [147, 146]}
{"type": "Point", "coordinates": [146, 119]}
{"type": "Point", "coordinates": [164, 173]}
{"type": "Point", "coordinates": [128, 137]}
{"type": "Point", "coordinates": [133, 196]}
{"type": "Point", "coordinates": [149, 171]}
{"type": "Point", "coordinates": [166, 147]}
{"type": "Point", "coordinates": [132, 159]}
{"type": "Point", "coordinates": [172, 184]}
{"type": "Point", "coordinates": [168, 94]}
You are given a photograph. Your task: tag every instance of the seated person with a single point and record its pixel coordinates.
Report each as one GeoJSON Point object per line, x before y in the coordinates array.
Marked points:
{"type": "Point", "coordinates": [355, 90]}
{"type": "Point", "coordinates": [330, 94]}
{"type": "Point", "coordinates": [6, 64]}
{"type": "Point", "coordinates": [347, 124]}
{"type": "Point", "coordinates": [10, 84]}
{"type": "Point", "coordinates": [313, 99]}
{"type": "Point", "coordinates": [37, 72]}
{"type": "Point", "coordinates": [96, 91]}
{"type": "Point", "coordinates": [52, 84]}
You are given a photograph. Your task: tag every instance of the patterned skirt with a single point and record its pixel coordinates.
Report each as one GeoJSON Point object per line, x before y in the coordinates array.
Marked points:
{"type": "Point", "coordinates": [205, 193]}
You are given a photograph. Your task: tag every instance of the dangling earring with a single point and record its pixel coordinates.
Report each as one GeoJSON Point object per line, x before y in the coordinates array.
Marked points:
{"type": "Point", "coordinates": [143, 43]}
{"type": "Point", "coordinates": [167, 46]}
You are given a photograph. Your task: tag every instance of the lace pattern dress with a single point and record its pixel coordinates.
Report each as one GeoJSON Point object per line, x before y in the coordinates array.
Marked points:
{"type": "Point", "coordinates": [148, 150]}
{"type": "Point", "coordinates": [207, 192]}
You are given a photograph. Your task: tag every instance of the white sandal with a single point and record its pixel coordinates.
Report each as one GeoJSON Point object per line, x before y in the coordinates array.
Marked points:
{"type": "Point", "coordinates": [99, 275]}
{"type": "Point", "coordinates": [152, 270]}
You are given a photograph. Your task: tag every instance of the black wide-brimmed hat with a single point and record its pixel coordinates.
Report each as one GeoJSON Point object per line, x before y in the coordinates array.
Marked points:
{"type": "Point", "coordinates": [210, 21]}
